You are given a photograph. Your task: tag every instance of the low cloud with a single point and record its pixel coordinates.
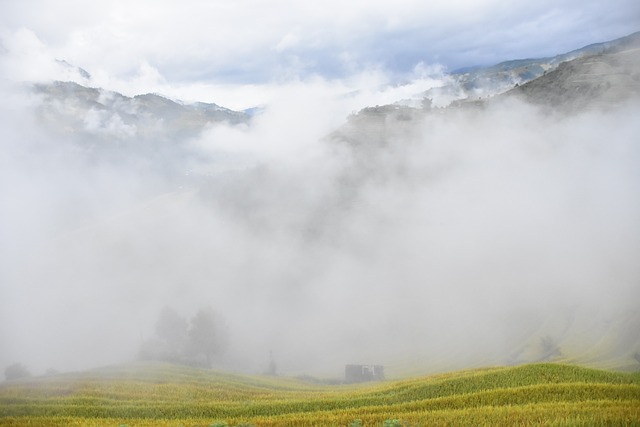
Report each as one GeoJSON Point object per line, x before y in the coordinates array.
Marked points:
{"type": "Point", "coordinates": [443, 240]}
{"type": "Point", "coordinates": [257, 43]}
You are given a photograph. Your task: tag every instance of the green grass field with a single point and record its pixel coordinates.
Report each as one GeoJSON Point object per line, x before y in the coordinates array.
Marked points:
{"type": "Point", "coordinates": [165, 395]}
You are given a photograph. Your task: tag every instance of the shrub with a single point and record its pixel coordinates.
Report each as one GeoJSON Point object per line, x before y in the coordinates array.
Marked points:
{"type": "Point", "coordinates": [15, 371]}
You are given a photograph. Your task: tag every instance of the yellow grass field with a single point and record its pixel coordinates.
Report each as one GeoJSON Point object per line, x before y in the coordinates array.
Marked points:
{"type": "Point", "coordinates": [166, 395]}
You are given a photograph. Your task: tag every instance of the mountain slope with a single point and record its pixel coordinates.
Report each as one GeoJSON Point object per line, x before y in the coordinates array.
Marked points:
{"type": "Point", "coordinates": [75, 110]}
{"type": "Point", "coordinates": [481, 82]}
{"type": "Point", "coordinates": [598, 80]}
{"type": "Point", "coordinates": [156, 395]}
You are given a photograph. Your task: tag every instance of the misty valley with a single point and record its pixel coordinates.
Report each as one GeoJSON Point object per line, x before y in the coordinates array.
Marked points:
{"type": "Point", "coordinates": [465, 254]}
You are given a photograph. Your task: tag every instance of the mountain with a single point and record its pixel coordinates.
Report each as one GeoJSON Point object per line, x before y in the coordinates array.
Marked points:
{"type": "Point", "coordinates": [71, 109]}
{"type": "Point", "coordinates": [482, 82]}
{"type": "Point", "coordinates": [599, 80]}
{"type": "Point", "coordinates": [600, 75]}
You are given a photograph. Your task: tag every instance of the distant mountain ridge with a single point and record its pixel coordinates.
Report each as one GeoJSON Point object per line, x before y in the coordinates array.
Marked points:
{"type": "Point", "coordinates": [77, 110]}
{"type": "Point", "coordinates": [481, 82]}
{"type": "Point", "coordinates": [73, 109]}
{"type": "Point", "coordinates": [601, 76]}
{"type": "Point", "coordinates": [607, 77]}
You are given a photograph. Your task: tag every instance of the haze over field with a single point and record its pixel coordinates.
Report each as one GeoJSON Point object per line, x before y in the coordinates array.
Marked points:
{"type": "Point", "coordinates": [457, 238]}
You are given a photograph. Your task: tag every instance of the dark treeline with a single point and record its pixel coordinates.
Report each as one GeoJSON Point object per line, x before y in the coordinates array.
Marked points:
{"type": "Point", "coordinates": [193, 342]}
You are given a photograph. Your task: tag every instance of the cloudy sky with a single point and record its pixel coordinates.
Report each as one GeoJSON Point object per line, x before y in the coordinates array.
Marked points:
{"type": "Point", "coordinates": [477, 229]}
{"type": "Point", "coordinates": [188, 48]}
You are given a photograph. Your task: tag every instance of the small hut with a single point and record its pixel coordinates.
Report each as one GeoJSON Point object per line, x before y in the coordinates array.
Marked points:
{"type": "Point", "coordinates": [362, 373]}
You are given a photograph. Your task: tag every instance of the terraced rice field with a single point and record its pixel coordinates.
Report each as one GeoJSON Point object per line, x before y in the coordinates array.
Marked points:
{"type": "Point", "coordinates": [165, 395]}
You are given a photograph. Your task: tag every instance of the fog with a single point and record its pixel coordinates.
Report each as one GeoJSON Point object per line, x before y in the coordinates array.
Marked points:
{"type": "Point", "coordinates": [460, 238]}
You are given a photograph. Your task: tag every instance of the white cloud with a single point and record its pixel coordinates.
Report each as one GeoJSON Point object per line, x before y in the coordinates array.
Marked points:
{"type": "Point", "coordinates": [473, 220]}
{"type": "Point", "coordinates": [462, 223]}
{"type": "Point", "coordinates": [287, 42]}
{"type": "Point", "coordinates": [243, 42]}
{"type": "Point", "coordinates": [26, 58]}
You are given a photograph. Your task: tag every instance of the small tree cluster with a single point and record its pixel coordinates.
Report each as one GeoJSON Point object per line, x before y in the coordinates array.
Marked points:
{"type": "Point", "coordinates": [16, 371]}
{"type": "Point", "coordinates": [550, 348]}
{"type": "Point", "coordinates": [196, 342]}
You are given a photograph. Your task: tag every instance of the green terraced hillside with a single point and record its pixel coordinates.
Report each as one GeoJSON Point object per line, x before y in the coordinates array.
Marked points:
{"type": "Point", "coordinates": [166, 395]}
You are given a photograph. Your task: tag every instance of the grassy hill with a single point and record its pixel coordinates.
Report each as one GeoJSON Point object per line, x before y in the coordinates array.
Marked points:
{"type": "Point", "coordinates": [165, 395]}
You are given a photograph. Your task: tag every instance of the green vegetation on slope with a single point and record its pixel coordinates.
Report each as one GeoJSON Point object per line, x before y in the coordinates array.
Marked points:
{"type": "Point", "coordinates": [159, 395]}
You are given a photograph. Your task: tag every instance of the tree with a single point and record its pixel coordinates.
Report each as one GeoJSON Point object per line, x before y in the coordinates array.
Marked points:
{"type": "Point", "coordinates": [272, 369]}
{"type": "Point", "coordinates": [15, 371]}
{"type": "Point", "coordinates": [51, 372]}
{"type": "Point", "coordinates": [550, 348]}
{"type": "Point", "coordinates": [177, 341]}
{"type": "Point", "coordinates": [207, 337]}
{"type": "Point", "coordinates": [171, 329]}
{"type": "Point", "coordinates": [170, 339]}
